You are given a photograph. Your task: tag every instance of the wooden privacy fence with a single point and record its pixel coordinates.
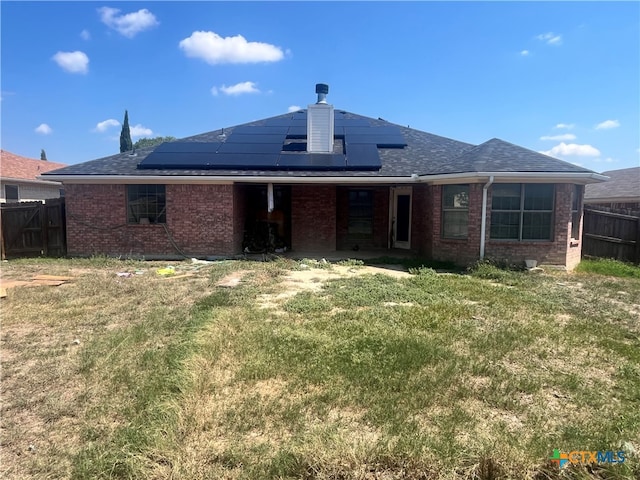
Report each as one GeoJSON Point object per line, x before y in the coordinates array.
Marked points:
{"type": "Point", "coordinates": [31, 229]}
{"type": "Point", "coordinates": [609, 234]}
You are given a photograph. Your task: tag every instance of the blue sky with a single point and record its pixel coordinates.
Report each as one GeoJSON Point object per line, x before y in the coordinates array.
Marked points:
{"type": "Point", "coordinates": [561, 78]}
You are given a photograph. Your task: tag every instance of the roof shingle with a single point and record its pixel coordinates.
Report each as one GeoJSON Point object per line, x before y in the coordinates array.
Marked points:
{"type": "Point", "coordinates": [23, 168]}
{"type": "Point", "coordinates": [425, 154]}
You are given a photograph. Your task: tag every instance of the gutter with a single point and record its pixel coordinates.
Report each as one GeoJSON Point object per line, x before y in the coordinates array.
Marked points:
{"type": "Point", "coordinates": [448, 178]}
{"type": "Point", "coordinates": [37, 181]}
{"type": "Point", "coordinates": [483, 224]}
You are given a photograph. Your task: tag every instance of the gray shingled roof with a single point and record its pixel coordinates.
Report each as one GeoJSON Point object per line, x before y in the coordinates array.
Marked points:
{"type": "Point", "coordinates": [425, 154]}
{"type": "Point", "coordinates": [623, 184]}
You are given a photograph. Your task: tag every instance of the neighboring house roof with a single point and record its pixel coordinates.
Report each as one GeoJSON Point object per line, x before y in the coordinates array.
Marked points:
{"type": "Point", "coordinates": [425, 156]}
{"type": "Point", "coordinates": [22, 169]}
{"type": "Point", "coordinates": [623, 186]}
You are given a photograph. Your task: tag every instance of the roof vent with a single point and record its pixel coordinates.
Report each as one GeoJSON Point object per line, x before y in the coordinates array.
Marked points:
{"type": "Point", "coordinates": [322, 89]}
{"type": "Point", "coordinates": [320, 123]}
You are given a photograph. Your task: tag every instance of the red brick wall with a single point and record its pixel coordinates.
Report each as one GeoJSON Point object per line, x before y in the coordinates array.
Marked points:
{"type": "Point", "coordinates": [559, 251]}
{"type": "Point", "coordinates": [555, 252]}
{"type": "Point", "coordinates": [313, 218]}
{"type": "Point", "coordinates": [206, 220]}
{"type": "Point", "coordinates": [199, 219]}
{"type": "Point", "coordinates": [239, 210]}
{"type": "Point", "coordinates": [461, 251]}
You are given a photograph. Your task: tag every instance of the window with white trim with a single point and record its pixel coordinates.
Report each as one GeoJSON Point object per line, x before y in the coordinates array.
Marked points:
{"type": "Point", "coordinates": [455, 211]}
{"type": "Point", "coordinates": [522, 211]}
{"type": "Point", "coordinates": [146, 204]}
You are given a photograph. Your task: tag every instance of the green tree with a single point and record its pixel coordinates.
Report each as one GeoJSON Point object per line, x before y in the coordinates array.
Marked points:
{"type": "Point", "coordinates": [125, 135]}
{"type": "Point", "coordinates": [43, 155]}
{"type": "Point", "coordinates": [152, 142]}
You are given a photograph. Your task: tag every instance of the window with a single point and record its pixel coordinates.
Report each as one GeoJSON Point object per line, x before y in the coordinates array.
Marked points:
{"type": "Point", "coordinates": [576, 211]}
{"type": "Point", "coordinates": [360, 214]}
{"type": "Point", "coordinates": [146, 204]}
{"type": "Point", "coordinates": [11, 193]}
{"type": "Point", "coordinates": [522, 211]}
{"type": "Point", "coordinates": [455, 211]}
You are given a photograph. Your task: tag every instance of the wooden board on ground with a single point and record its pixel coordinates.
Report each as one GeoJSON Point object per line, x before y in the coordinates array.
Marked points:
{"type": "Point", "coordinates": [184, 275]}
{"type": "Point", "coordinates": [13, 283]}
{"type": "Point", "coordinates": [52, 277]}
{"type": "Point", "coordinates": [51, 283]}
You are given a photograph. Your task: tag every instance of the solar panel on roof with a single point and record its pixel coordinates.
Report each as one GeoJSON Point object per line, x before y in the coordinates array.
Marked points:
{"type": "Point", "coordinates": [182, 160]}
{"type": "Point", "coordinates": [261, 130]}
{"type": "Point", "coordinates": [295, 147]}
{"type": "Point", "coordinates": [363, 157]}
{"type": "Point", "coordinates": [340, 121]}
{"type": "Point", "coordinates": [286, 122]}
{"type": "Point", "coordinates": [377, 130]}
{"type": "Point", "coordinates": [389, 141]}
{"type": "Point", "coordinates": [312, 161]}
{"type": "Point", "coordinates": [250, 148]}
{"type": "Point", "coordinates": [270, 138]}
{"type": "Point", "coordinates": [297, 132]}
{"type": "Point", "coordinates": [206, 147]}
{"type": "Point", "coordinates": [239, 161]}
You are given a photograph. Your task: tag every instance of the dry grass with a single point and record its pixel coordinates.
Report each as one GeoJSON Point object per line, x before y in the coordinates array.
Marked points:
{"type": "Point", "coordinates": [46, 398]}
{"type": "Point", "coordinates": [273, 370]}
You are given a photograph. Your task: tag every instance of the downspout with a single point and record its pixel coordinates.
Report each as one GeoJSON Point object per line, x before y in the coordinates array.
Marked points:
{"type": "Point", "coordinates": [483, 224]}
{"type": "Point", "coordinates": [270, 203]}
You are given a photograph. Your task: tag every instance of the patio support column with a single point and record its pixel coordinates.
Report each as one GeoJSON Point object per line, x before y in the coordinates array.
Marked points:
{"type": "Point", "coordinates": [483, 222]}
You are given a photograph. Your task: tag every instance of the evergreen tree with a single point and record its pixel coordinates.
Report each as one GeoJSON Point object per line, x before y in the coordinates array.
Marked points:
{"type": "Point", "coordinates": [43, 155]}
{"type": "Point", "coordinates": [125, 135]}
{"type": "Point", "coordinates": [152, 142]}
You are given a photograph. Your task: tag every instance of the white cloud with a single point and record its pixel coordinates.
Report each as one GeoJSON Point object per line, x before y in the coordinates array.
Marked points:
{"type": "Point", "coordinates": [524, 53]}
{"type": "Point", "coordinates": [567, 126]}
{"type": "Point", "coordinates": [72, 62]}
{"type": "Point", "coordinates": [550, 38]}
{"type": "Point", "coordinates": [608, 124]}
{"type": "Point", "coordinates": [214, 49]}
{"type": "Point", "coordinates": [104, 126]}
{"type": "Point", "coordinates": [129, 24]}
{"type": "Point", "coordinates": [237, 89]}
{"type": "Point", "coordinates": [85, 35]}
{"type": "Point", "coordinates": [294, 108]}
{"type": "Point", "coordinates": [140, 131]}
{"type": "Point", "coordinates": [558, 138]}
{"type": "Point", "coordinates": [44, 129]}
{"type": "Point", "coordinates": [572, 149]}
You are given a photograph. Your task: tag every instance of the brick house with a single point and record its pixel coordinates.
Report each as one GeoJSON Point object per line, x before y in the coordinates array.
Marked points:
{"type": "Point", "coordinates": [326, 181]}
{"type": "Point", "coordinates": [19, 180]}
{"type": "Point", "coordinates": [621, 191]}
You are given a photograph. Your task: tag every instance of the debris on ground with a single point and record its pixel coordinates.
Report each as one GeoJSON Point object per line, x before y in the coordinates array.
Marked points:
{"type": "Point", "coordinates": [165, 272]}
{"type": "Point", "coordinates": [38, 280]}
{"type": "Point", "coordinates": [230, 281]}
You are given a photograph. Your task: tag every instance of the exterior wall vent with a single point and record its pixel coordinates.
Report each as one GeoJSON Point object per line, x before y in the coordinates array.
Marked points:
{"type": "Point", "coordinates": [320, 123]}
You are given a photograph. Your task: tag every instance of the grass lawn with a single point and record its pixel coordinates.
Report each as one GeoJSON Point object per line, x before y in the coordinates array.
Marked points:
{"type": "Point", "coordinates": [313, 370]}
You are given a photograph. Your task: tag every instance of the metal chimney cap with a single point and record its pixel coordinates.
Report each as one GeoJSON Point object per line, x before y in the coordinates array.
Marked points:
{"type": "Point", "coordinates": [322, 88]}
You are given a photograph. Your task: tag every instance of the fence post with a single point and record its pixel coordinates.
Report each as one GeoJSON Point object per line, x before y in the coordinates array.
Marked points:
{"type": "Point", "coordinates": [637, 255]}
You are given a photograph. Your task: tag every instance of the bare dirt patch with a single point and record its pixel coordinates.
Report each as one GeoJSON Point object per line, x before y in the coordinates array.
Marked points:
{"type": "Point", "coordinates": [313, 279]}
